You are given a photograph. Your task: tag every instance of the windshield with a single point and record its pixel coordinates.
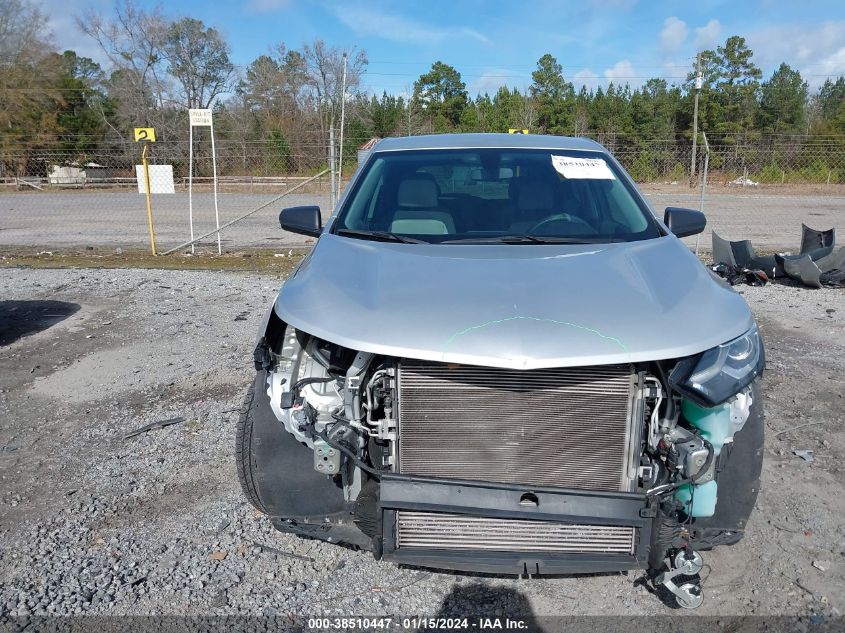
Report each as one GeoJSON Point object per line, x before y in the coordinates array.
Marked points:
{"type": "Point", "coordinates": [494, 196]}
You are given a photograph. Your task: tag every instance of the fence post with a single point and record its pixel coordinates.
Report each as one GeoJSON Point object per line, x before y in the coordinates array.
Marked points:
{"type": "Point", "coordinates": [332, 167]}
{"type": "Point", "coordinates": [703, 186]}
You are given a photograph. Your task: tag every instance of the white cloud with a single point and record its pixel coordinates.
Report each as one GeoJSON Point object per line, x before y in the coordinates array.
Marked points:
{"type": "Point", "coordinates": [818, 51]}
{"type": "Point", "coordinates": [833, 65]}
{"type": "Point", "coordinates": [400, 29]}
{"type": "Point", "coordinates": [707, 36]}
{"type": "Point", "coordinates": [673, 35]}
{"type": "Point", "coordinates": [585, 77]}
{"type": "Point", "coordinates": [621, 73]}
{"type": "Point", "coordinates": [490, 81]}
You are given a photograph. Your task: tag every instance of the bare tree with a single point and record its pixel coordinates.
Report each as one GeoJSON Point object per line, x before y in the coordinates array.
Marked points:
{"type": "Point", "coordinates": [133, 40]}
{"type": "Point", "coordinates": [198, 60]}
{"type": "Point", "coordinates": [23, 33]}
{"type": "Point", "coordinates": [273, 87]}
{"type": "Point", "coordinates": [324, 68]}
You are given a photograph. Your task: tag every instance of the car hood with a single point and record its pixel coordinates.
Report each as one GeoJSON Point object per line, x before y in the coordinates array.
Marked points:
{"type": "Point", "coordinates": [512, 306]}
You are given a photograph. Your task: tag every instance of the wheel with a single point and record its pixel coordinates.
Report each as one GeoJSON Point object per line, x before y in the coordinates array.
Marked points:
{"type": "Point", "coordinates": [690, 566]}
{"type": "Point", "coordinates": [692, 597]}
{"type": "Point", "coordinates": [244, 457]}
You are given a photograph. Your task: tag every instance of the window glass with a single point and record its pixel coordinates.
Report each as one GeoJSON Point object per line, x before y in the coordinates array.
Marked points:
{"type": "Point", "coordinates": [485, 195]}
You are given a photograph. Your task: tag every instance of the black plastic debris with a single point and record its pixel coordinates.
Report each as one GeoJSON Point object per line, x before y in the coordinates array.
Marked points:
{"type": "Point", "coordinates": [833, 278]}
{"type": "Point", "coordinates": [811, 239]}
{"type": "Point", "coordinates": [735, 275]}
{"type": "Point", "coordinates": [742, 255]}
{"type": "Point", "coordinates": [818, 264]}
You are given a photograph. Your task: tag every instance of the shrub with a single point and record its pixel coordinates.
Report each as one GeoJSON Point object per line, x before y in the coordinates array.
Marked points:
{"type": "Point", "coordinates": [677, 173]}
{"type": "Point", "coordinates": [643, 168]}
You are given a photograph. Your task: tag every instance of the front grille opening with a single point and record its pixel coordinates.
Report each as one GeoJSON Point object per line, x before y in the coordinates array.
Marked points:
{"type": "Point", "coordinates": [561, 427]}
{"type": "Point", "coordinates": [433, 530]}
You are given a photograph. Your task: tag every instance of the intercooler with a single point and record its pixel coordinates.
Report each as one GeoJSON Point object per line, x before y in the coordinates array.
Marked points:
{"type": "Point", "coordinates": [562, 427]}
{"type": "Point", "coordinates": [454, 531]}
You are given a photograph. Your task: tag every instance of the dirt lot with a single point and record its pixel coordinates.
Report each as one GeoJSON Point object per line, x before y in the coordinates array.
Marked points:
{"type": "Point", "coordinates": [91, 522]}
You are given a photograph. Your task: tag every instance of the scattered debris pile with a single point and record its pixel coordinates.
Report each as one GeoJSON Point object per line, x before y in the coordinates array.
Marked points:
{"type": "Point", "coordinates": [817, 264]}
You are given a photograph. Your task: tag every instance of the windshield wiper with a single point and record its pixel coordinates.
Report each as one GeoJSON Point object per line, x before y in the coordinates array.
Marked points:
{"type": "Point", "coordinates": [520, 239]}
{"type": "Point", "coordinates": [380, 236]}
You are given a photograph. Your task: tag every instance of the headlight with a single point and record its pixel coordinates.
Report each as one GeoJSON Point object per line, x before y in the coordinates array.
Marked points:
{"type": "Point", "coordinates": [713, 376]}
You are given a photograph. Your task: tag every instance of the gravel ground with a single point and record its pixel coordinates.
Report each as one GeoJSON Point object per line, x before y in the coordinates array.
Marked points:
{"type": "Point", "coordinates": [92, 523]}
{"type": "Point", "coordinates": [769, 216]}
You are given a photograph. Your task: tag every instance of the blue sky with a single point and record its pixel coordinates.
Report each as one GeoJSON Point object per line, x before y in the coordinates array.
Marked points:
{"type": "Point", "coordinates": [498, 42]}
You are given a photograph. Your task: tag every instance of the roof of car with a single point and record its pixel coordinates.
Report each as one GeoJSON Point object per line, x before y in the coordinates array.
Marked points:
{"type": "Point", "coordinates": [455, 141]}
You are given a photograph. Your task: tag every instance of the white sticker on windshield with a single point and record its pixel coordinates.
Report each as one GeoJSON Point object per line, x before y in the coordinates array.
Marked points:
{"type": "Point", "coordinates": [584, 168]}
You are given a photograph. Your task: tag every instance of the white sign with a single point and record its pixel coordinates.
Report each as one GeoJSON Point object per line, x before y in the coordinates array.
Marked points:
{"type": "Point", "coordinates": [582, 168]}
{"type": "Point", "coordinates": [161, 179]}
{"type": "Point", "coordinates": [200, 116]}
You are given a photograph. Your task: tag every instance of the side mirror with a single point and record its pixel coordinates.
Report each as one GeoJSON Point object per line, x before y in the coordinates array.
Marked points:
{"type": "Point", "coordinates": [684, 222]}
{"type": "Point", "coordinates": [302, 220]}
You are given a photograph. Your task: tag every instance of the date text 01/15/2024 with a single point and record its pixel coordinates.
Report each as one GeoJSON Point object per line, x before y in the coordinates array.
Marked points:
{"type": "Point", "coordinates": [415, 623]}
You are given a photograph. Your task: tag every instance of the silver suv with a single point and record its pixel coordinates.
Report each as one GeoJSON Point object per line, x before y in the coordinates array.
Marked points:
{"type": "Point", "coordinates": [497, 358]}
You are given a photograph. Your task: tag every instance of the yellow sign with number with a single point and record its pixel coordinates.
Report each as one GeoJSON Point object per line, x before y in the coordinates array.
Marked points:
{"type": "Point", "coordinates": [145, 134]}
{"type": "Point", "coordinates": [514, 130]}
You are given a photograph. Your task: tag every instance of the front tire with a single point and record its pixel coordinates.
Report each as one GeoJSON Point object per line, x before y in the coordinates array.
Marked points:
{"type": "Point", "coordinates": [244, 457]}
{"type": "Point", "coordinates": [276, 472]}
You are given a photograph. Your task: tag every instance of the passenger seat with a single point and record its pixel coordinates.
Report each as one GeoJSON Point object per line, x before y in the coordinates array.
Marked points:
{"type": "Point", "coordinates": [419, 211]}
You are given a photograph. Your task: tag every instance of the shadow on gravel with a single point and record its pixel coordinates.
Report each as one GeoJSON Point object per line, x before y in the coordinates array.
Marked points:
{"type": "Point", "coordinates": [21, 318]}
{"type": "Point", "coordinates": [479, 600]}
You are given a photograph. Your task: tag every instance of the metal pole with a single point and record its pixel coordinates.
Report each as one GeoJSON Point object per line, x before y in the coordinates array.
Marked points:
{"type": "Point", "coordinates": [695, 118]}
{"type": "Point", "coordinates": [342, 116]}
{"type": "Point", "coordinates": [703, 185]}
{"type": "Point", "coordinates": [191, 183]}
{"type": "Point", "coordinates": [214, 173]}
{"type": "Point", "coordinates": [332, 166]}
{"type": "Point", "coordinates": [149, 205]}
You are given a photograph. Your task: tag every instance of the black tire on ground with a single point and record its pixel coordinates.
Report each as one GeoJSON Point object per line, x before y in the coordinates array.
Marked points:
{"type": "Point", "coordinates": [243, 447]}
{"type": "Point", "coordinates": [277, 472]}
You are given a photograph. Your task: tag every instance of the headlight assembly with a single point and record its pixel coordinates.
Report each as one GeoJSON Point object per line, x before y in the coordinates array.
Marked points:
{"type": "Point", "coordinates": [713, 376]}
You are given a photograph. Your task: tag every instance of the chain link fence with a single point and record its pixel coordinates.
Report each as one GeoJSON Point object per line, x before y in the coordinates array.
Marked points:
{"type": "Point", "coordinates": [758, 188]}
{"type": "Point", "coordinates": [67, 198]}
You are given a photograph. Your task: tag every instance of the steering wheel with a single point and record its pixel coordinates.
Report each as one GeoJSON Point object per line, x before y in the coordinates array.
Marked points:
{"type": "Point", "coordinates": [561, 218]}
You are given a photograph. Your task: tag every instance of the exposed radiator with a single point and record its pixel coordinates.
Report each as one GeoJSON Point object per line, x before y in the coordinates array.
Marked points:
{"type": "Point", "coordinates": [453, 531]}
{"type": "Point", "coordinates": [566, 427]}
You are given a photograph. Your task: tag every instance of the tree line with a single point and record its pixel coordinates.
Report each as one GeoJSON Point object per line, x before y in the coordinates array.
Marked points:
{"type": "Point", "coordinates": [282, 107]}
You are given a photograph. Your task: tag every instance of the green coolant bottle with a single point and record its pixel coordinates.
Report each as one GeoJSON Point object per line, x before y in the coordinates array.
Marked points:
{"type": "Point", "coordinates": [714, 424]}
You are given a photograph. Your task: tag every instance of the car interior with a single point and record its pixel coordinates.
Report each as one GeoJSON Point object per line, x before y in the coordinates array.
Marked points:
{"type": "Point", "coordinates": [530, 197]}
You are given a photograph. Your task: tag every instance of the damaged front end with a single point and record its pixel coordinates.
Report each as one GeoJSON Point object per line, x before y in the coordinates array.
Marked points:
{"type": "Point", "coordinates": [542, 471]}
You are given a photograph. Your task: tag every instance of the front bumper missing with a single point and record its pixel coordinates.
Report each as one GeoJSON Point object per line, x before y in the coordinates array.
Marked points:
{"type": "Point", "coordinates": [558, 508]}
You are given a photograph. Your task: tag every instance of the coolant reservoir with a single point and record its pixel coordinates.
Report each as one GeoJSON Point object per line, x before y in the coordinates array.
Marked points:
{"type": "Point", "coordinates": [715, 426]}
{"type": "Point", "coordinates": [714, 423]}
{"type": "Point", "coordinates": [699, 501]}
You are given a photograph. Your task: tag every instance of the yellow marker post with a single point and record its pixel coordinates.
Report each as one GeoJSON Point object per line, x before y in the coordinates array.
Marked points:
{"type": "Point", "coordinates": [147, 135]}
{"type": "Point", "coordinates": [149, 206]}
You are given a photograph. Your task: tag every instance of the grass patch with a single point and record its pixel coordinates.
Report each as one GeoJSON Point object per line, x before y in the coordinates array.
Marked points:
{"type": "Point", "coordinates": [283, 260]}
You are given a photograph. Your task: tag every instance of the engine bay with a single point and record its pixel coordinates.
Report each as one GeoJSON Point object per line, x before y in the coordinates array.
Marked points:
{"type": "Point", "coordinates": [624, 429]}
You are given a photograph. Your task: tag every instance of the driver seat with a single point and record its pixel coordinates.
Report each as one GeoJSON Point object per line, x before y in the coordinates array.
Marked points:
{"type": "Point", "coordinates": [535, 201]}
